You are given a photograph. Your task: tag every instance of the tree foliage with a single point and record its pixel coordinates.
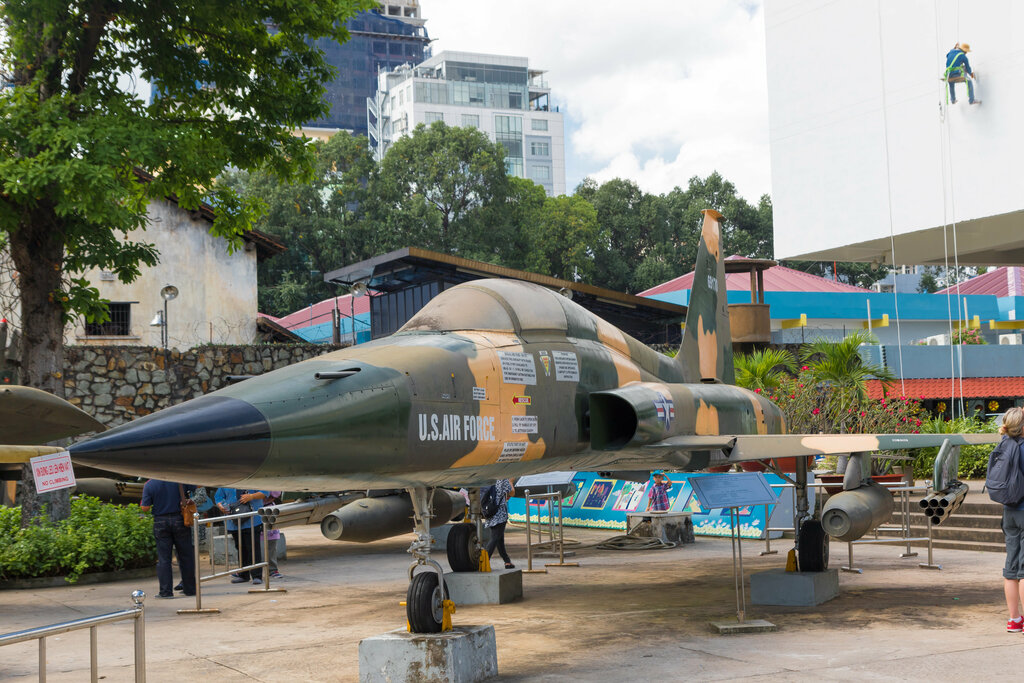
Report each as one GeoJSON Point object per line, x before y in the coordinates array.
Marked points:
{"type": "Point", "coordinates": [233, 78]}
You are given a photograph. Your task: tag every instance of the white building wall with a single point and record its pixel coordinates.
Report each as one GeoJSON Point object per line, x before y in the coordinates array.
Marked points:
{"type": "Point", "coordinates": [844, 148]}
{"type": "Point", "coordinates": [217, 290]}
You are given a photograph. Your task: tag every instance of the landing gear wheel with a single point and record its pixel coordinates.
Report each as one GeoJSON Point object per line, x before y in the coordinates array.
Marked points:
{"type": "Point", "coordinates": [812, 547]}
{"type": "Point", "coordinates": [463, 553]}
{"type": "Point", "coordinates": [424, 603]}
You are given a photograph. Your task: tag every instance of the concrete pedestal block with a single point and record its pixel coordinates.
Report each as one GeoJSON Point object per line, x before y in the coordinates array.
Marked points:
{"type": "Point", "coordinates": [495, 587]}
{"type": "Point", "coordinates": [465, 654]}
{"type": "Point", "coordinates": [671, 527]}
{"type": "Point", "coordinates": [800, 589]}
{"type": "Point", "coordinates": [216, 545]}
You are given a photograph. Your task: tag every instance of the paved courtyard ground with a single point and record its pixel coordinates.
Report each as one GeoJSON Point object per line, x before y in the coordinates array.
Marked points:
{"type": "Point", "coordinates": [619, 616]}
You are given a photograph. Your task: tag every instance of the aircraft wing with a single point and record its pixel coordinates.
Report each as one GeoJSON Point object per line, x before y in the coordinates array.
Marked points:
{"type": "Point", "coordinates": [15, 455]}
{"type": "Point", "coordinates": [762, 446]}
{"type": "Point", "coordinates": [32, 416]}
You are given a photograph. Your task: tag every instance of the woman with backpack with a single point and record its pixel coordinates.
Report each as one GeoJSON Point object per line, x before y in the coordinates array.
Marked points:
{"type": "Point", "coordinates": [1013, 517]}
{"type": "Point", "coordinates": [499, 494]}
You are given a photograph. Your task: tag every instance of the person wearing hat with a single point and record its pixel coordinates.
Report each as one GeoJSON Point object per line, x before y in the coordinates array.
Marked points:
{"type": "Point", "coordinates": [657, 497]}
{"type": "Point", "coordinates": [957, 67]}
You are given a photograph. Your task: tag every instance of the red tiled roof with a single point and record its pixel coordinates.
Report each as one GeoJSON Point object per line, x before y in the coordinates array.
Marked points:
{"type": "Point", "coordinates": [973, 387]}
{"type": "Point", "coordinates": [1004, 281]}
{"type": "Point", "coordinates": [320, 312]}
{"type": "Point", "coordinates": [776, 279]}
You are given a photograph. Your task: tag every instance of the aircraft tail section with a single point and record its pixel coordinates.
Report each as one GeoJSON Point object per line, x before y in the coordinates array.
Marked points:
{"type": "Point", "coordinates": [706, 351]}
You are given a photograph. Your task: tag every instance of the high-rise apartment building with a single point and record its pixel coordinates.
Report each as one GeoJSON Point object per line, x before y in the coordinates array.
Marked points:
{"type": "Point", "coordinates": [501, 96]}
{"type": "Point", "coordinates": [380, 41]}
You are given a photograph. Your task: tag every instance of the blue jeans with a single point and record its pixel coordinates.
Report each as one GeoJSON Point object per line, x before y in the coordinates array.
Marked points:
{"type": "Point", "coordinates": [171, 533]}
{"type": "Point", "coordinates": [957, 73]}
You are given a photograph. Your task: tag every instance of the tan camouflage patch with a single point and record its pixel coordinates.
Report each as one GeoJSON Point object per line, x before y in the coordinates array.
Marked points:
{"type": "Point", "coordinates": [707, 347]}
{"type": "Point", "coordinates": [710, 232]}
{"type": "Point", "coordinates": [707, 420]}
{"type": "Point", "coordinates": [762, 425]}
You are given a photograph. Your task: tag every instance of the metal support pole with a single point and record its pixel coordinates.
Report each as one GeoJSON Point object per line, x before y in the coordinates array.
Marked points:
{"type": "Point", "coordinates": [767, 535]}
{"type": "Point", "coordinates": [94, 672]}
{"type": "Point", "coordinates": [931, 562]}
{"type": "Point", "coordinates": [42, 660]}
{"type": "Point", "coordinates": [561, 532]}
{"type": "Point", "coordinates": [850, 567]}
{"type": "Point", "coordinates": [140, 637]}
{"type": "Point", "coordinates": [905, 508]}
{"type": "Point", "coordinates": [529, 538]}
{"type": "Point", "coordinates": [737, 570]}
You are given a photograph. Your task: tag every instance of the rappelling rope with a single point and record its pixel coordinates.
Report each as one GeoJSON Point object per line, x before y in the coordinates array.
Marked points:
{"type": "Point", "coordinates": [888, 189]}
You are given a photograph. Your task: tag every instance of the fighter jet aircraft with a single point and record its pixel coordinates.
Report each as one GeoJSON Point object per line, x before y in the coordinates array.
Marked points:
{"type": "Point", "coordinates": [492, 378]}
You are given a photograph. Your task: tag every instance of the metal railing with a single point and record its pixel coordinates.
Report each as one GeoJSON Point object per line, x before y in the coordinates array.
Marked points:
{"type": "Point", "coordinates": [228, 569]}
{"type": "Point", "coordinates": [41, 633]}
{"type": "Point", "coordinates": [556, 537]}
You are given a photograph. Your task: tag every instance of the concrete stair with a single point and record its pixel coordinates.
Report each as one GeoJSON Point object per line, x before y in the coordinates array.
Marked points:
{"type": "Point", "coordinates": [977, 525]}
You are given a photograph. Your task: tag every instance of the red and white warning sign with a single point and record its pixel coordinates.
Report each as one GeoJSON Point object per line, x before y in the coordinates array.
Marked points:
{"type": "Point", "coordinates": [52, 472]}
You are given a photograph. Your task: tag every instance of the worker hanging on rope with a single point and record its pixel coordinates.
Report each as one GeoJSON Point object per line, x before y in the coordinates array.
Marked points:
{"type": "Point", "coordinates": [958, 70]}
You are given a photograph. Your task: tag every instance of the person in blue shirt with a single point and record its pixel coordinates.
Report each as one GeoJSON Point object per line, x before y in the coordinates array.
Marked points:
{"type": "Point", "coordinates": [164, 499]}
{"type": "Point", "coordinates": [957, 66]}
{"type": "Point", "coordinates": [231, 501]}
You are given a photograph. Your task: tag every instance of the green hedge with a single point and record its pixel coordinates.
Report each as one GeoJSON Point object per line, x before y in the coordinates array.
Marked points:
{"type": "Point", "coordinates": [96, 537]}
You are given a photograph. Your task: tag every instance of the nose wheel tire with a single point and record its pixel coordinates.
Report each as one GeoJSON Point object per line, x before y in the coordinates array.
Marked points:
{"type": "Point", "coordinates": [424, 603]}
{"type": "Point", "coordinates": [812, 547]}
{"type": "Point", "coordinates": [463, 552]}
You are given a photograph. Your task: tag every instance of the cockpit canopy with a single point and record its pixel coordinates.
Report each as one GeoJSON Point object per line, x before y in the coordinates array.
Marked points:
{"type": "Point", "coordinates": [505, 306]}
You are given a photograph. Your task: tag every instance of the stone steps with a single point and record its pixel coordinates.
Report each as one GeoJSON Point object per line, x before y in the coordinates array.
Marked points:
{"type": "Point", "coordinates": [977, 525]}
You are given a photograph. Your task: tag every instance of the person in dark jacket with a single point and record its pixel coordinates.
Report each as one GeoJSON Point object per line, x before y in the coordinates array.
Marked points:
{"type": "Point", "coordinates": [1013, 530]}
{"type": "Point", "coordinates": [503, 490]}
{"type": "Point", "coordinates": [957, 67]}
{"type": "Point", "coordinates": [164, 499]}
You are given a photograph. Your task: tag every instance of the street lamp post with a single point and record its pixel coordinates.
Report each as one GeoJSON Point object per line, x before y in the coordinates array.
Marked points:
{"type": "Point", "coordinates": [167, 293]}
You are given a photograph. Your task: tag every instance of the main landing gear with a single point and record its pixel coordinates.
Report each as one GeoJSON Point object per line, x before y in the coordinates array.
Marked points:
{"type": "Point", "coordinates": [811, 539]}
{"type": "Point", "coordinates": [427, 606]}
{"type": "Point", "coordinates": [464, 549]}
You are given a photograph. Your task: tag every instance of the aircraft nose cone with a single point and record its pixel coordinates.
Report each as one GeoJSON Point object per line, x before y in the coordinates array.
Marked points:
{"type": "Point", "coordinates": [213, 440]}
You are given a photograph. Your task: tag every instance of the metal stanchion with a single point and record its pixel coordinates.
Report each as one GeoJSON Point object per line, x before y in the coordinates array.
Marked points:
{"type": "Point", "coordinates": [228, 570]}
{"type": "Point", "coordinates": [561, 535]}
{"type": "Point", "coordinates": [529, 539]}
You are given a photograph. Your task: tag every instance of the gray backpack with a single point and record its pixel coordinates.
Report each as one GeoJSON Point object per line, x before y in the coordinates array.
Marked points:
{"type": "Point", "coordinates": [1005, 481]}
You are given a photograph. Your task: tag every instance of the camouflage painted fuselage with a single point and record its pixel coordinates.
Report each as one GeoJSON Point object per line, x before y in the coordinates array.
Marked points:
{"type": "Point", "coordinates": [491, 378]}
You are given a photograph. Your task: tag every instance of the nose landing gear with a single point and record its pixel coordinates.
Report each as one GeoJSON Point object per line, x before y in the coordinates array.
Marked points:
{"type": "Point", "coordinates": [427, 606]}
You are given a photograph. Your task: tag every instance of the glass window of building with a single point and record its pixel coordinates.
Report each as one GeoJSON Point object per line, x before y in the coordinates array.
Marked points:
{"type": "Point", "coordinates": [430, 116]}
{"type": "Point", "coordinates": [539, 124]}
{"type": "Point", "coordinates": [470, 121]}
{"type": "Point", "coordinates": [514, 166]}
{"type": "Point", "coordinates": [542, 173]}
{"type": "Point", "coordinates": [540, 149]}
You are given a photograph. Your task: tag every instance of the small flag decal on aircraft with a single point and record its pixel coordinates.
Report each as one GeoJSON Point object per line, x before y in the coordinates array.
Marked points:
{"type": "Point", "coordinates": [666, 410]}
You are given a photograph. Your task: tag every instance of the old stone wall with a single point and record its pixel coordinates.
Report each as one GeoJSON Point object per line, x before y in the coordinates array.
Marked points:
{"type": "Point", "coordinates": [119, 384]}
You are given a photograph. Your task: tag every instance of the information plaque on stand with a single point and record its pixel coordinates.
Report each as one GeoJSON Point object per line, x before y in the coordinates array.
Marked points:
{"type": "Point", "coordinates": [735, 491]}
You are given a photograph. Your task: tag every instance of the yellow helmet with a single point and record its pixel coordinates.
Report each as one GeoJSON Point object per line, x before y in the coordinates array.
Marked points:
{"type": "Point", "coordinates": [966, 47]}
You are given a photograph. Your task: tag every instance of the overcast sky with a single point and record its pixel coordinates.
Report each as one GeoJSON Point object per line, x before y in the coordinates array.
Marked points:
{"type": "Point", "coordinates": [656, 97]}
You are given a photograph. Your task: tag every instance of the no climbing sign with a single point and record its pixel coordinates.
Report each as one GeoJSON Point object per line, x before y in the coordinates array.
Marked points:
{"type": "Point", "coordinates": [52, 472]}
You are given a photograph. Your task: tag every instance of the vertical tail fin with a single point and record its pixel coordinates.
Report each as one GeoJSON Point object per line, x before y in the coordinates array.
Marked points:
{"type": "Point", "coordinates": [706, 351]}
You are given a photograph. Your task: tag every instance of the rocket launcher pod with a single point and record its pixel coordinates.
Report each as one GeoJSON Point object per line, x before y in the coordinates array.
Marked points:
{"type": "Point", "coordinates": [309, 511]}
{"type": "Point", "coordinates": [850, 514]}
{"type": "Point", "coordinates": [372, 519]}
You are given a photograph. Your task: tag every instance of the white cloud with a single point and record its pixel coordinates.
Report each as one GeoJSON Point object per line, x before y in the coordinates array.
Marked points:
{"type": "Point", "coordinates": [656, 97]}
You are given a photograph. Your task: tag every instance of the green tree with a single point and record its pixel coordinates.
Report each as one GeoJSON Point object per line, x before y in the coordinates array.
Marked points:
{"type": "Point", "coordinates": [319, 219]}
{"type": "Point", "coordinates": [839, 366]}
{"type": "Point", "coordinates": [764, 369]}
{"type": "Point", "coordinates": [746, 229]}
{"type": "Point", "coordinates": [560, 238]}
{"type": "Point", "coordinates": [631, 223]}
{"type": "Point", "coordinates": [928, 284]}
{"type": "Point", "coordinates": [72, 140]}
{"type": "Point", "coordinates": [431, 187]}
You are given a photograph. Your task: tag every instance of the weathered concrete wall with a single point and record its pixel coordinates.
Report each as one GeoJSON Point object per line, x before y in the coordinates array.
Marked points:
{"type": "Point", "coordinates": [217, 288]}
{"type": "Point", "coordinates": [117, 384]}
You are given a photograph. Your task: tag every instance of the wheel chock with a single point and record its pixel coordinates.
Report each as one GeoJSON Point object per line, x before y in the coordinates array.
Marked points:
{"type": "Point", "coordinates": [446, 621]}
{"type": "Point", "coordinates": [791, 560]}
{"type": "Point", "coordinates": [485, 562]}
